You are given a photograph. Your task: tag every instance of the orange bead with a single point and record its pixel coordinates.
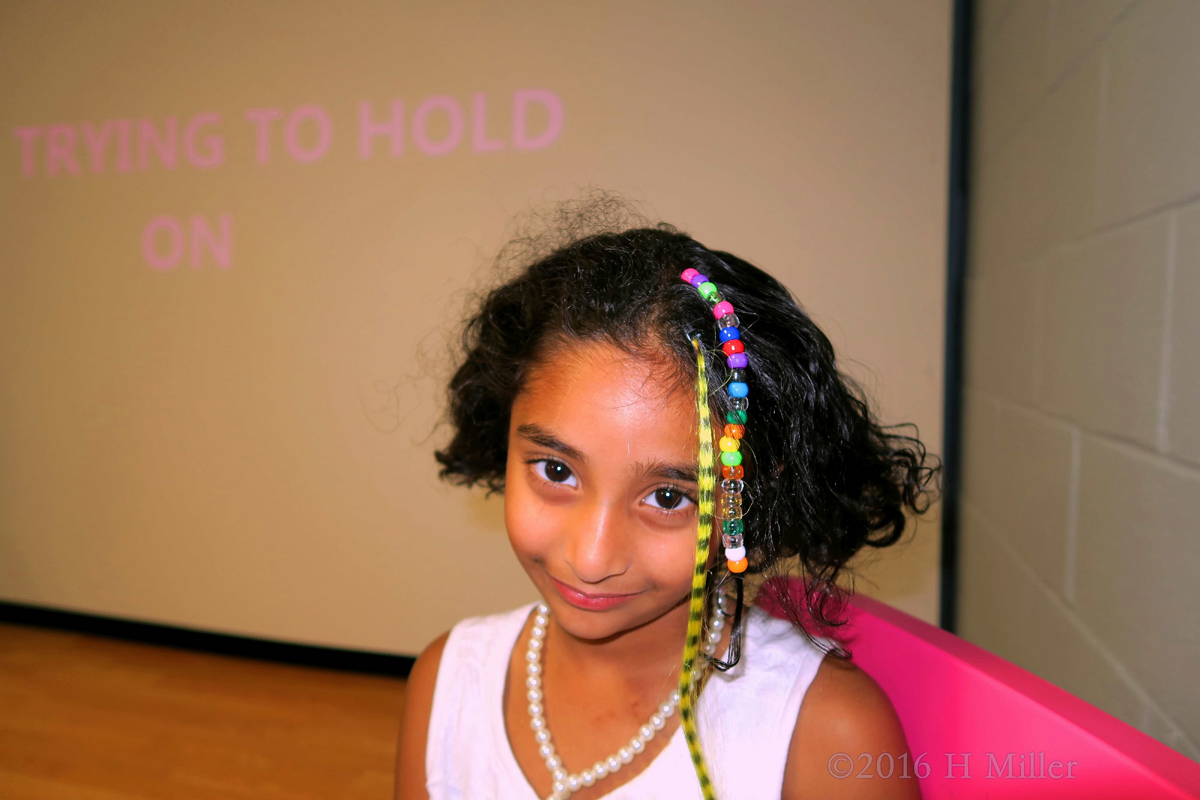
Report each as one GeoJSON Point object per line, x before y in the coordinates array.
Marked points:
{"type": "Point", "coordinates": [739, 565]}
{"type": "Point", "coordinates": [735, 431]}
{"type": "Point", "coordinates": [732, 473]}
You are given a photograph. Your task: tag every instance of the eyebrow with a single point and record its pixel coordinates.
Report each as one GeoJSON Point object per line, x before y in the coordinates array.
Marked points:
{"type": "Point", "coordinates": [543, 438]}
{"type": "Point", "coordinates": [671, 472]}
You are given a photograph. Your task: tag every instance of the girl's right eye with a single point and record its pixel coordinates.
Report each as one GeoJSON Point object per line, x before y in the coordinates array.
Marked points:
{"type": "Point", "coordinates": [555, 472]}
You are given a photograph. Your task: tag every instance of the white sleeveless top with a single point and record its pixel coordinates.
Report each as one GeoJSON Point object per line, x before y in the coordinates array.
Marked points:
{"type": "Point", "coordinates": [754, 707]}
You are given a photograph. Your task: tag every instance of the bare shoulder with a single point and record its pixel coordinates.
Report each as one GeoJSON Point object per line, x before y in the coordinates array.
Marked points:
{"type": "Point", "coordinates": [414, 726]}
{"type": "Point", "coordinates": [846, 723]}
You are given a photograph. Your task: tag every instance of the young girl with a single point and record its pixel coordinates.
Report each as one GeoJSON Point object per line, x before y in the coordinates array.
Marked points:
{"type": "Point", "coordinates": [613, 390]}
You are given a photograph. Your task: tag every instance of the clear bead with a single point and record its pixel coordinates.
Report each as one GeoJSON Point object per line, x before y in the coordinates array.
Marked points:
{"type": "Point", "coordinates": [737, 376]}
{"type": "Point", "coordinates": [731, 540]}
{"type": "Point", "coordinates": [729, 486]}
{"type": "Point", "coordinates": [739, 403]}
{"type": "Point", "coordinates": [729, 321]}
{"type": "Point", "coordinates": [625, 755]}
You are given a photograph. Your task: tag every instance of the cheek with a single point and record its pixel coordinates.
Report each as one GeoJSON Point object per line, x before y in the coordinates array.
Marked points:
{"type": "Point", "coordinates": [670, 560]}
{"type": "Point", "coordinates": [532, 525]}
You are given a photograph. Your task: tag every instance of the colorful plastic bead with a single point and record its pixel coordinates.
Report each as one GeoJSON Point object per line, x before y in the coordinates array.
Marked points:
{"type": "Point", "coordinates": [688, 274]}
{"type": "Point", "coordinates": [738, 566]}
{"type": "Point", "coordinates": [736, 416]}
{"type": "Point", "coordinates": [731, 457]}
{"type": "Point", "coordinates": [698, 279]}
{"type": "Point", "coordinates": [736, 431]}
{"type": "Point", "coordinates": [729, 333]}
{"type": "Point", "coordinates": [737, 388]}
{"type": "Point", "coordinates": [707, 290]}
{"type": "Point", "coordinates": [733, 346]}
{"type": "Point", "coordinates": [728, 443]}
{"type": "Point", "coordinates": [732, 527]}
{"type": "Point", "coordinates": [728, 471]}
{"type": "Point", "coordinates": [735, 553]}
{"type": "Point", "coordinates": [737, 361]}
{"type": "Point", "coordinates": [722, 308]}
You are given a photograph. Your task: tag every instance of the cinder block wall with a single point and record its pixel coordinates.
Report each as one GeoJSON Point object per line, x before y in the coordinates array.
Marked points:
{"type": "Point", "coordinates": [1081, 512]}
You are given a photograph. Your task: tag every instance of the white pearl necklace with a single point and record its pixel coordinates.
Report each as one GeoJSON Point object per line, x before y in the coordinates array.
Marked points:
{"type": "Point", "coordinates": [565, 783]}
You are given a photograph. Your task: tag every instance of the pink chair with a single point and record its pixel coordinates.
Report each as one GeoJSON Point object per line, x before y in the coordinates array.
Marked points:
{"type": "Point", "coordinates": [1025, 737]}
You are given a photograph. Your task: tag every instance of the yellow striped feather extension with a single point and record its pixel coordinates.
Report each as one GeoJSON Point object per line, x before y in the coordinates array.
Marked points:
{"type": "Point", "coordinates": [688, 687]}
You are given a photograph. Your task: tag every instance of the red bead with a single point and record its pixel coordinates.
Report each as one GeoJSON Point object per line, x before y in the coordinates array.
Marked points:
{"type": "Point", "coordinates": [733, 473]}
{"type": "Point", "coordinates": [733, 346]}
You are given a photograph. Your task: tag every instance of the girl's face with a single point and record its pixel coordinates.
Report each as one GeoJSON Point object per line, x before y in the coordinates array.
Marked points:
{"type": "Point", "coordinates": [600, 492]}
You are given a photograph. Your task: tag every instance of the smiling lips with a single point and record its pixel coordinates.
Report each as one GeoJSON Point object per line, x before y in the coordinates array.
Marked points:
{"type": "Point", "coordinates": [589, 602]}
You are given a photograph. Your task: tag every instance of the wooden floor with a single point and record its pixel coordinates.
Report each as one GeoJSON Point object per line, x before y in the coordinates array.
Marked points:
{"type": "Point", "coordinates": [89, 718]}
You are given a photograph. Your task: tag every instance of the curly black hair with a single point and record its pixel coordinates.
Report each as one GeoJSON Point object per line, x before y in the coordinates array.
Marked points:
{"type": "Point", "coordinates": [825, 478]}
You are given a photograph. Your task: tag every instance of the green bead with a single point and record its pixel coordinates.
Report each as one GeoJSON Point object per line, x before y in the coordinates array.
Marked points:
{"type": "Point", "coordinates": [707, 289]}
{"type": "Point", "coordinates": [733, 526]}
{"type": "Point", "coordinates": [731, 458]}
{"type": "Point", "coordinates": [736, 417]}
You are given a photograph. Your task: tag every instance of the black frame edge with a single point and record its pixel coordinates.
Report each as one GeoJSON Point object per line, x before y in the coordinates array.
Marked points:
{"type": "Point", "coordinates": [359, 661]}
{"type": "Point", "coordinates": [956, 269]}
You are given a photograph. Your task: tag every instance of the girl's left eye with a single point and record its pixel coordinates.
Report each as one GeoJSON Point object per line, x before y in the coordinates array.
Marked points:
{"type": "Point", "coordinates": [669, 498]}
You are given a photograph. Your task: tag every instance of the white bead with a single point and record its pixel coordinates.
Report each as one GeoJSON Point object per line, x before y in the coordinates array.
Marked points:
{"type": "Point", "coordinates": [573, 783]}
{"type": "Point", "coordinates": [560, 788]}
{"type": "Point", "coordinates": [535, 709]}
{"type": "Point", "coordinates": [666, 709]}
{"type": "Point", "coordinates": [534, 695]}
{"type": "Point", "coordinates": [625, 755]}
{"type": "Point", "coordinates": [735, 553]}
{"type": "Point", "coordinates": [709, 648]}
{"type": "Point", "coordinates": [533, 669]}
{"type": "Point", "coordinates": [717, 623]}
{"type": "Point", "coordinates": [675, 696]}
{"type": "Point", "coordinates": [535, 644]}
{"type": "Point", "coordinates": [657, 721]}
{"type": "Point", "coordinates": [553, 762]}
{"type": "Point", "coordinates": [560, 776]}
{"type": "Point", "coordinates": [714, 636]}
{"type": "Point", "coordinates": [537, 723]}
{"type": "Point", "coordinates": [546, 750]}
{"type": "Point", "coordinates": [587, 777]}
{"type": "Point", "coordinates": [531, 656]}
{"type": "Point", "coordinates": [533, 682]}
{"type": "Point", "coordinates": [540, 620]}
{"type": "Point", "coordinates": [542, 737]}
{"type": "Point", "coordinates": [614, 764]}
{"type": "Point", "coordinates": [538, 631]}
{"type": "Point", "coordinates": [646, 732]}
{"type": "Point", "coordinates": [636, 745]}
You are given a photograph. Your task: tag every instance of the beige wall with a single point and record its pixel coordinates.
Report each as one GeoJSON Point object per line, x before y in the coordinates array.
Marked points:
{"type": "Point", "coordinates": [247, 447]}
{"type": "Point", "coordinates": [1082, 441]}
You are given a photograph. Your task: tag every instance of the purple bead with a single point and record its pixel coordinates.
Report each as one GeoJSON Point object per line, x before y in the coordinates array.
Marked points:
{"type": "Point", "coordinates": [737, 361]}
{"type": "Point", "coordinates": [698, 279]}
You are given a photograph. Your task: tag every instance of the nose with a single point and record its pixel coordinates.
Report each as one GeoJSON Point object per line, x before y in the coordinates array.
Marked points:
{"type": "Point", "coordinates": [597, 547]}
